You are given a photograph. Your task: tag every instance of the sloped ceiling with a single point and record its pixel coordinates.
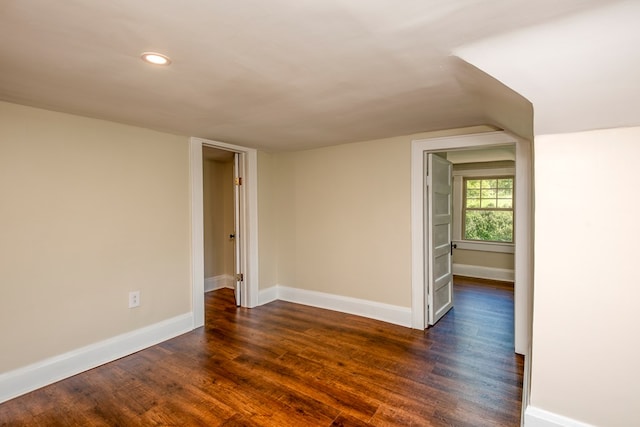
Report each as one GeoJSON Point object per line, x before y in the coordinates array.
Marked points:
{"type": "Point", "coordinates": [581, 72]}
{"type": "Point", "coordinates": [276, 75]}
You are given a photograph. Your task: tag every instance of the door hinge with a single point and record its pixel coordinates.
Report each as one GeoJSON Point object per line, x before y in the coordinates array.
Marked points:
{"type": "Point", "coordinates": [238, 180]}
{"type": "Point", "coordinates": [239, 277]}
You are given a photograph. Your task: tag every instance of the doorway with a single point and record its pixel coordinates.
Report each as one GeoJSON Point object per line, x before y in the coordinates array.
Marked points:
{"type": "Point", "coordinates": [248, 217]}
{"type": "Point", "coordinates": [523, 225]}
{"type": "Point", "coordinates": [469, 221]}
{"type": "Point", "coordinates": [220, 225]}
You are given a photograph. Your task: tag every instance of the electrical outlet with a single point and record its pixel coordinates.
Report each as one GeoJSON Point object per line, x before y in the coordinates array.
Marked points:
{"type": "Point", "coordinates": [134, 299]}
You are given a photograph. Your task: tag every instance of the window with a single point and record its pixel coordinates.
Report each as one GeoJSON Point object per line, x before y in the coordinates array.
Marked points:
{"type": "Point", "coordinates": [488, 209]}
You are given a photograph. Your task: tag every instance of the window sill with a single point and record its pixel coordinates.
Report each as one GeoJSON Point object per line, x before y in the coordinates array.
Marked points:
{"type": "Point", "coordinates": [505, 248]}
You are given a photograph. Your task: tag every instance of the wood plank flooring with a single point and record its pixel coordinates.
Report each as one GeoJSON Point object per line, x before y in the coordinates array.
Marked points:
{"type": "Point", "coordinates": [285, 364]}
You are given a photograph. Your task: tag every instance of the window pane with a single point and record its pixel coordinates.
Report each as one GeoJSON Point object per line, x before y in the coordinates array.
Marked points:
{"type": "Point", "coordinates": [488, 194]}
{"type": "Point", "coordinates": [473, 183]}
{"type": "Point", "coordinates": [505, 183]}
{"type": "Point", "coordinates": [493, 226]}
{"type": "Point", "coordinates": [488, 203]}
{"type": "Point", "coordinates": [489, 183]}
{"type": "Point", "coordinates": [505, 203]}
{"type": "Point", "coordinates": [473, 194]}
{"type": "Point", "coordinates": [473, 203]}
{"type": "Point", "coordinates": [482, 220]}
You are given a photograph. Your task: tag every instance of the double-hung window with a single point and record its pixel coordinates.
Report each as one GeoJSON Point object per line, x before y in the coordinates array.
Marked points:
{"type": "Point", "coordinates": [487, 209]}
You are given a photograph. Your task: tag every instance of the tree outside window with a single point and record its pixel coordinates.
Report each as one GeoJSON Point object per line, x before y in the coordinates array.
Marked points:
{"type": "Point", "coordinates": [488, 209]}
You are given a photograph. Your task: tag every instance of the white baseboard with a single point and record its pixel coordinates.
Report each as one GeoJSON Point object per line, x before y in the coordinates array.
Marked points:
{"type": "Point", "coordinates": [268, 295]}
{"type": "Point", "coordinates": [218, 282]}
{"type": "Point", "coordinates": [23, 380]}
{"type": "Point", "coordinates": [536, 417]}
{"type": "Point", "coordinates": [365, 308]}
{"type": "Point", "coordinates": [484, 272]}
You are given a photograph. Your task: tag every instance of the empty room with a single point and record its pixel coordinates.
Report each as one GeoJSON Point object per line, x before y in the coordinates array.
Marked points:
{"type": "Point", "coordinates": [319, 213]}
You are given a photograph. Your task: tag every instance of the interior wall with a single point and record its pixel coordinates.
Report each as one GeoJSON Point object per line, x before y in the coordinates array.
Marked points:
{"type": "Point", "coordinates": [90, 211]}
{"type": "Point", "coordinates": [484, 259]}
{"type": "Point", "coordinates": [218, 203]}
{"type": "Point", "coordinates": [586, 291]}
{"type": "Point", "coordinates": [211, 263]}
{"type": "Point", "coordinates": [345, 217]}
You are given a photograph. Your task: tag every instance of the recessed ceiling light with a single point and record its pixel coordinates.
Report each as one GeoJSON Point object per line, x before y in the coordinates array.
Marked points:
{"type": "Point", "coordinates": [155, 58]}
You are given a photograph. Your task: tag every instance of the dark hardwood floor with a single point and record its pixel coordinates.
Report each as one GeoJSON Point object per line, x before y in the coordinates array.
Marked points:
{"type": "Point", "coordinates": [285, 364]}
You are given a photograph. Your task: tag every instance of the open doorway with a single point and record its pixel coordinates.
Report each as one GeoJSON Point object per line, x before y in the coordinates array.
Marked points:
{"type": "Point", "coordinates": [483, 212]}
{"type": "Point", "coordinates": [248, 223]}
{"type": "Point", "coordinates": [474, 202]}
{"type": "Point", "coordinates": [220, 228]}
{"type": "Point", "coordinates": [523, 268]}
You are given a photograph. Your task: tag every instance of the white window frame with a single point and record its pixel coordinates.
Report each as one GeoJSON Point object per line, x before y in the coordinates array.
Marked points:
{"type": "Point", "coordinates": [458, 195]}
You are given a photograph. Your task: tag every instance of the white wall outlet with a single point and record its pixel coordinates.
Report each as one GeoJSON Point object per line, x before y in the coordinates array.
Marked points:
{"type": "Point", "coordinates": [134, 299]}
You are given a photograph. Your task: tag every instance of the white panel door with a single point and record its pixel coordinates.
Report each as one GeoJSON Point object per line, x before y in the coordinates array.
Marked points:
{"type": "Point", "coordinates": [438, 229]}
{"type": "Point", "coordinates": [237, 187]}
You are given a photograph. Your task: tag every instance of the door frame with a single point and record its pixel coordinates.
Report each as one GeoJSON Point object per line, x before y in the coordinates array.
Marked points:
{"type": "Point", "coordinates": [249, 218]}
{"type": "Point", "coordinates": [523, 287]}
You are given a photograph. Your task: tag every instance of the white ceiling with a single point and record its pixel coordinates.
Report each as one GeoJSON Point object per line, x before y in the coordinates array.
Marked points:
{"type": "Point", "coordinates": [581, 72]}
{"type": "Point", "coordinates": [277, 74]}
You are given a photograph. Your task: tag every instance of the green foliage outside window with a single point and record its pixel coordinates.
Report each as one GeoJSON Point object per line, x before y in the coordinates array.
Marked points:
{"type": "Point", "coordinates": [488, 213]}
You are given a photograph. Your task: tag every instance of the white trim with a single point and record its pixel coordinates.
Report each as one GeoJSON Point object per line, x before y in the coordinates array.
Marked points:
{"type": "Point", "coordinates": [523, 235]}
{"type": "Point", "coordinates": [458, 185]}
{"type": "Point", "coordinates": [268, 295]}
{"type": "Point", "coordinates": [251, 228]}
{"type": "Point", "coordinates": [484, 172]}
{"type": "Point", "coordinates": [249, 244]}
{"type": "Point", "coordinates": [23, 380]}
{"type": "Point", "coordinates": [526, 386]}
{"type": "Point", "coordinates": [524, 224]}
{"type": "Point", "coordinates": [481, 272]}
{"type": "Point", "coordinates": [468, 245]}
{"type": "Point", "coordinates": [536, 417]}
{"type": "Point", "coordinates": [371, 309]}
{"type": "Point", "coordinates": [197, 231]}
{"type": "Point", "coordinates": [218, 282]}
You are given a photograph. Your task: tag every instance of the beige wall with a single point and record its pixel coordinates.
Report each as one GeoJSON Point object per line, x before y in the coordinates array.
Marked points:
{"type": "Point", "coordinates": [218, 202]}
{"type": "Point", "coordinates": [89, 211]}
{"type": "Point", "coordinates": [343, 218]}
{"type": "Point", "coordinates": [352, 220]}
{"type": "Point", "coordinates": [483, 259]}
{"type": "Point", "coordinates": [585, 343]}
